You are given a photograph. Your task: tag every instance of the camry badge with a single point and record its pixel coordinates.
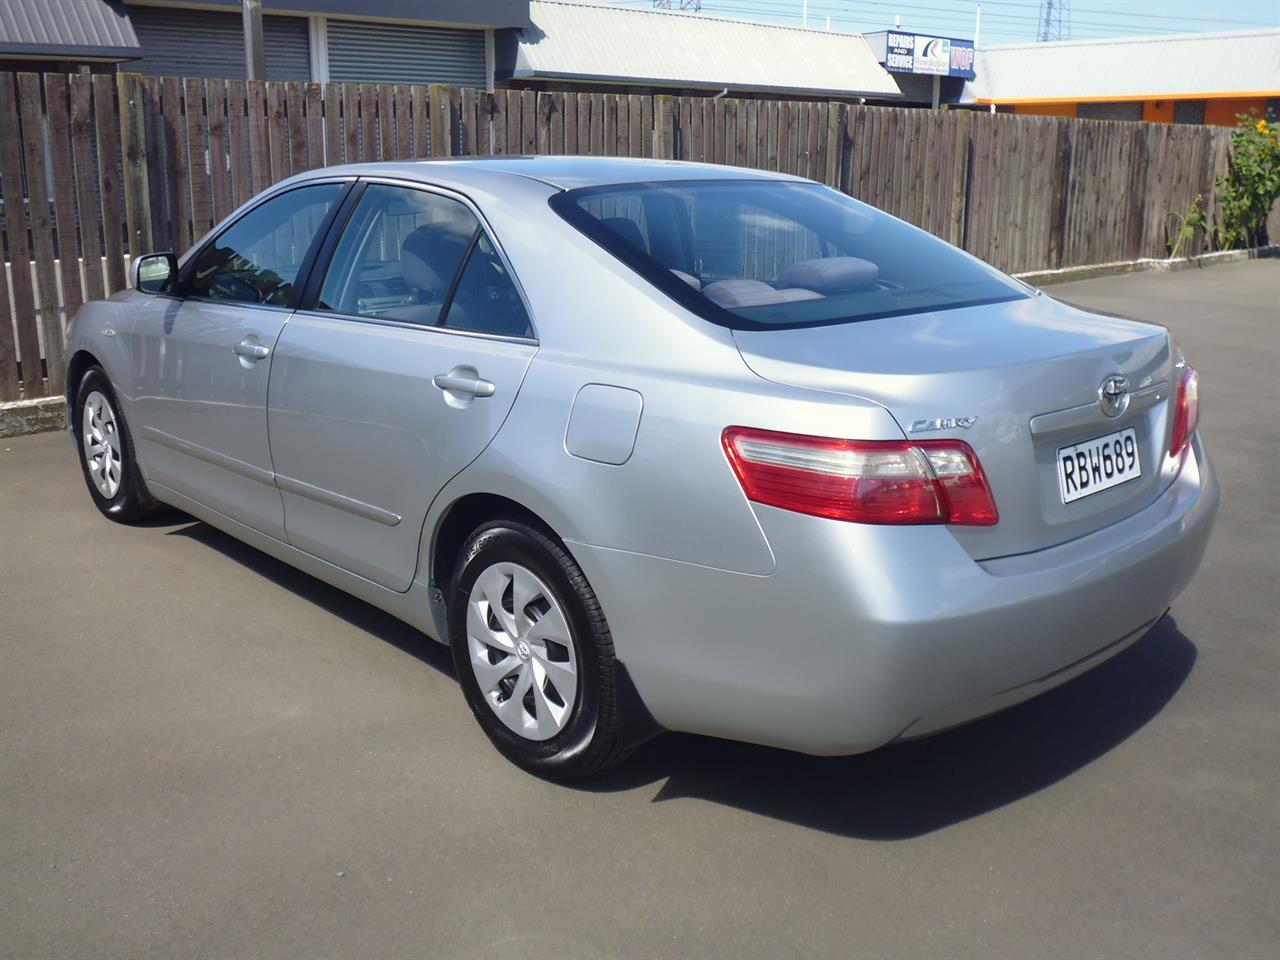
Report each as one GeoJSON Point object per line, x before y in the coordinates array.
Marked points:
{"type": "Point", "coordinates": [1113, 396]}
{"type": "Point", "coordinates": [942, 423]}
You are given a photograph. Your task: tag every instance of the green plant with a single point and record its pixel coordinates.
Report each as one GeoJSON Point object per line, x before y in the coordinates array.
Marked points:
{"type": "Point", "coordinates": [1188, 223]}
{"type": "Point", "coordinates": [1252, 183]}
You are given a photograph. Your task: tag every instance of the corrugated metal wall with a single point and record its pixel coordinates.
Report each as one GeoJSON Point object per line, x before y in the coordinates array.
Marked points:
{"type": "Point", "coordinates": [209, 44]}
{"type": "Point", "coordinates": [398, 53]}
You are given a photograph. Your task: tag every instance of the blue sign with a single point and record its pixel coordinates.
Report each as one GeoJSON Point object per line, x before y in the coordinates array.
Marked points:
{"type": "Point", "coordinates": [932, 56]}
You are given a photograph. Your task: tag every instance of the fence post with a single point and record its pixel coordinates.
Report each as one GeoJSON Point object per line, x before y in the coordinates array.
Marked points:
{"type": "Point", "coordinates": [133, 144]}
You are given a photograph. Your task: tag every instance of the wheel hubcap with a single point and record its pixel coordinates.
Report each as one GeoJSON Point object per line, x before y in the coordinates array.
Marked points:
{"type": "Point", "coordinates": [521, 651]}
{"type": "Point", "coordinates": [101, 437]}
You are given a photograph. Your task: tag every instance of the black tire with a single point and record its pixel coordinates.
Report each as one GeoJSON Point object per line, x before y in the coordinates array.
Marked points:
{"type": "Point", "coordinates": [132, 501]}
{"type": "Point", "coordinates": [591, 738]}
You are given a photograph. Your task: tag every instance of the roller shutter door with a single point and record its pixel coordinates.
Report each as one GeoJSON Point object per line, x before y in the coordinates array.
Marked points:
{"type": "Point", "coordinates": [387, 53]}
{"type": "Point", "coordinates": [201, 43]}
{"type": "Point", "coordinates": [915, 87]}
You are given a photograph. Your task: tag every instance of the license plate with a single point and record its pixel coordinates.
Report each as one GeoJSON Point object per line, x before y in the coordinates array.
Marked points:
{"type": "Point", "coordinates": [1099, 464]}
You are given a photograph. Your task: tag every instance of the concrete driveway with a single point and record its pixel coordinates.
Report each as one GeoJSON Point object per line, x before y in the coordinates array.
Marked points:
{"type": "Point", "coordinates": [204, 753]}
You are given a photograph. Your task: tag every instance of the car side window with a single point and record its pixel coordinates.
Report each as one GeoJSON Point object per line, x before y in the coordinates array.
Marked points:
{"type": "Point", "coordinates": [398, 255]}
{"type": "Point", "coordinates": [257, 259]}
{"type": "Point", "coordinates": [419, 257]}
{"type": "Point", "coordinates": [486, 301]}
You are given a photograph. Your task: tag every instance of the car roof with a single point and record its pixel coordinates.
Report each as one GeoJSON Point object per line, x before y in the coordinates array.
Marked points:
{"type": "Point", "coordinates": [562, 173]}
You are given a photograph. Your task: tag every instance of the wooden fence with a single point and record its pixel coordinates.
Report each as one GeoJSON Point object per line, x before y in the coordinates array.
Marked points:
{"type": "Point", "coordinates": [105, 167]}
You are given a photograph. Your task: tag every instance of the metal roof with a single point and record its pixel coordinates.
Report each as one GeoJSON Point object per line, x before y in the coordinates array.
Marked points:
{"type": "Point", "coordinates": [67, 28]}
{"type": "Point", "coordinates": [1191, 66]}
{"type": "Point", "coordinates": [663, 48]}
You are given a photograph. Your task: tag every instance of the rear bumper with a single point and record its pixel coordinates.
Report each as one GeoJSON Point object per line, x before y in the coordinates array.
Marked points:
{"type": "Point", "coordinates": [866, 634]}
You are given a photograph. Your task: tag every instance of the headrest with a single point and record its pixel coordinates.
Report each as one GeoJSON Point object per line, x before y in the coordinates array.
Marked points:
{"type": "Point", "coordinates": [741, 292]}
{"type": "Point", "coordinates": [688, 278]}
{"type": "Point", "coordinates": [829, 275]}
{"type": "Point", "coordinates": [627, 229]}
{"type": "Point", "coordinates": [431, 250]}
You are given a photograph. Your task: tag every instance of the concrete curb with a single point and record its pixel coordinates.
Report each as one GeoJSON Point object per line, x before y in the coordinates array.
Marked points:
{"type": "Point", "coordinates": [1041, 278]}
{"type": "Point", "coordinates": [32, 416]}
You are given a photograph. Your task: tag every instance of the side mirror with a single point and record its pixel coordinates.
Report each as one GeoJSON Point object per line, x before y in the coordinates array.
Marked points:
{"type": "Point", "coordinates": [154, 273]}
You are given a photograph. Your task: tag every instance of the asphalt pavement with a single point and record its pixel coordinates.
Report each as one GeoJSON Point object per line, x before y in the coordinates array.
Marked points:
{"type": "Point", "coordinates": [206, 753]}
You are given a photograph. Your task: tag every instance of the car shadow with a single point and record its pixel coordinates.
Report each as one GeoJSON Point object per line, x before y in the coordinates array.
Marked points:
{"type": "Point", "coordinates": [361, 615]}
{"type": "Point", "coordinates": [909, 789]}
{"type": "Point", "coordinates": [894, 793]}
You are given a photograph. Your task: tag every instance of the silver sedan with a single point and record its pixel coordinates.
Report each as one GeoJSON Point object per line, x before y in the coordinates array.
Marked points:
{"type": "Point", "coordinates": [657, 445]}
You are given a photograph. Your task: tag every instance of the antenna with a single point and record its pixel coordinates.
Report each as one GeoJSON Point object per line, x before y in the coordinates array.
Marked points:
{"type": "Point", "coordinates": [1055, 20]}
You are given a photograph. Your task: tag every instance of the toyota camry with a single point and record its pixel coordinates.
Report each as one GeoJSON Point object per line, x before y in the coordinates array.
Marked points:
{"type": "Point", "coordinates": [657, 446]}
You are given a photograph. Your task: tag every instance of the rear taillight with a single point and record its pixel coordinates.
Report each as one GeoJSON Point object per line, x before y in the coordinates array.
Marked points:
{"type": "Point", "coordinates": [865, 481]}
{"type": "Point", "coordinates": [1186, 412]}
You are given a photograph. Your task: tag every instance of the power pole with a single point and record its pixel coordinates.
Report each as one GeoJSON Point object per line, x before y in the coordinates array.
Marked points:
{"type": "Point", "coordinates": [1055, 20]}
{"type": "Point", "coordinates": [689, 6]}
{"type": "Point", "coordinates": [255, 55]}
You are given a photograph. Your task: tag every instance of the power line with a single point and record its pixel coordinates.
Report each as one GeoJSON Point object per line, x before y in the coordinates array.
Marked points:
{"type": "Point", "coordinates": [950, 19]}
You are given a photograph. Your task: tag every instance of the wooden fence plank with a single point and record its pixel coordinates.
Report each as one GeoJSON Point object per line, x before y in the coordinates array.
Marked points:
{"type": "Point", "coordinates": [542, 120]}
{"type": "Point", "coordinates": [313, 95]}
{"type": "Point", "coordinates": [88, 205]}
{"type": "Point", "coordinates": [368, 94]}
{"type": "Point", "coordinates": [438, 105]}
{"type": "Point", "coordinates": [157, 178]}
{"type": "Point", "coordinates": [104, 108]}
{"type": "Point", "coordinates": [387, 148]}
{"type": "Point", "coordinates": [238, 142]}
{"type": "Point", "coordinates": [137, 197]}
{"type": "Point", "coordinates": [28, 339]}
{"type": "Point", "coordinates": [41, 217]}
{"type": "Point", "coordinates": [215, 93]}
{"type": "Point", "coordinates": [528, 122]}
{"type": "Point", "coordinates": [350, 125]}
{"type": "Point", "coordinates": [331, 94]}
{"type": "Point", "coordinates": [198, 165]}
{"type": "Point", "coordinates": [178, 196]}
{"type": "Point", "coordinates": [403, 131]}
{"type": "Point", "coordinates": [10, 388]}
{"type": "Point", "coordinates": [259, 144]}
{"type": "Point", "coordinates": [295, 127]}
{"type": "Point", "coordinates": [64, 205]}
{"type": "Point", "coordinates": [277, 129]}
{"type": "Point", "coordinates": [421, 122]}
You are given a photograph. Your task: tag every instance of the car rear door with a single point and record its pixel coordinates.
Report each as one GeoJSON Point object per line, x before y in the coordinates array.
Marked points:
{"type": "Point", "coordinates": [396, 373]}
{"type": "Point", "coordinates": [201, 357]}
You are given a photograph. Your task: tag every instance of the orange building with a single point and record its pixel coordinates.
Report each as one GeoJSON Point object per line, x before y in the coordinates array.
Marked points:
{"type": "Point", "coordinates": [1184, 78]}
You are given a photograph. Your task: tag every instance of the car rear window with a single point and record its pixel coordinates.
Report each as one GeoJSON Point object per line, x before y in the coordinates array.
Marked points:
{"type": "Point", "coordinates": [772, 254]}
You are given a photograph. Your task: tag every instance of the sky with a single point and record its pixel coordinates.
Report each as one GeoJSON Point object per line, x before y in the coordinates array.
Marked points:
{"type": "Point", "coordinates": [1003, 21]}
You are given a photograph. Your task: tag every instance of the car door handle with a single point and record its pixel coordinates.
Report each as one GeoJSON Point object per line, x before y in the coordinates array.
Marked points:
{"type": "Point", "coordinates": [473, 386]}
{"type": "Point", "coordinates": [251, 349]}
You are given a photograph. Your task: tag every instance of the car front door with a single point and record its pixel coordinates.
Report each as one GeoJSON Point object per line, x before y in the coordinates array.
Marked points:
{"type": "Point", "coordinates": [395, 374]}
{"type": "Point", "coordinates": [201, 357]}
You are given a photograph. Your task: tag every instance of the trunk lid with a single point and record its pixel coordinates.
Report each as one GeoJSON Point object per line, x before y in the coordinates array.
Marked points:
{"type": "Point", "coordinates": [1029, 371]}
